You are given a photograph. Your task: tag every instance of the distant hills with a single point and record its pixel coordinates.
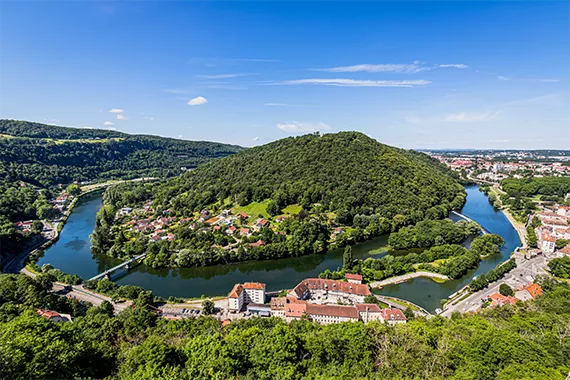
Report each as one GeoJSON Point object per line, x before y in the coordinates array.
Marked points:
{"type": "Point", "coordinates": [45, 155]}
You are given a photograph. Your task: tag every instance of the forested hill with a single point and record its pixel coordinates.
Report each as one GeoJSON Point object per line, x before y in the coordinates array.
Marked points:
{"type": "Point", "coordinates": [347, 173]}
{"type": "Point", "coordinates": [46, 155]}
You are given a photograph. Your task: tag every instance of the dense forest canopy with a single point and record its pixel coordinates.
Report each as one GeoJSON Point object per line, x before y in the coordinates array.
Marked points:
{"type": "Point", "coordinates": [348, 173]}
{"type": "Point", "coordinates": [526, 341]}
{"type": "Point", "coordinates": [45, 155]}
{"type": "Point", "coordinates": [528, 187]}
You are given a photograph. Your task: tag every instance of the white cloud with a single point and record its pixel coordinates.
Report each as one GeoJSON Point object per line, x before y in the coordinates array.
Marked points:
{"type": "Point", "coordinates": [255, 139]}
{"type": "Point", "coordinates": [120, 116]}
{"type": "Point", "coordinates": [276, 105]}
{"type": "Point", "coordinates": [371, 68]}
{"type": "Point", "coordinates": [464, 117]}
{"type": "Point", "coordinates": [500, 77]}
{"type": "Point", "coordinates": [550, 80]}
{"type": "Point", "coordinates": [148, 117]}
{"type": "Point", "coordinates": [358, 83]}
{"type": "Point", "coordinates": [225, 76]}
{"type": "Point", "coordinates": [454, 65]}
{"type": "Point", "coordinates": [116, 110]}
{"type": "Point", "coordinates": [459, 117]}
{"type": "Point", "coordinates": [108, 123]}
{"type": "Point", "coordinates": [197, 101]}
{"type": "Point", "coordinates": [303, 127]}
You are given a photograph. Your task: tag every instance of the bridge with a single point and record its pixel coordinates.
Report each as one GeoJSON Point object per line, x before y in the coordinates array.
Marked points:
{"type": "Point", "coordinates": [483, 229]}
{"type": "Point", "coordinates": [127, 265]}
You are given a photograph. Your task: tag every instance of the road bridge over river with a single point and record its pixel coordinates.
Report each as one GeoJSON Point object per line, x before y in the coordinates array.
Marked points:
{"type": "Point", "coordinates": [131, 263]}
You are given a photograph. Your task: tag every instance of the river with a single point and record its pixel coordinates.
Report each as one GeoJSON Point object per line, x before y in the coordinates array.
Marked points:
{"type": "Point", "coordinates": [72, 254]}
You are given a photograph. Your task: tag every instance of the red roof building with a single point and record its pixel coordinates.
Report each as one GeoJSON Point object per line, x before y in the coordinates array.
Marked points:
{"type": "Point", "coordinates": [353, 278]}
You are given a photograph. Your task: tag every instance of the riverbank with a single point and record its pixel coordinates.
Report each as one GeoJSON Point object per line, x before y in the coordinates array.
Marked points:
{"type": "Point", "coordinates": [407, 277]}
{"type": "Point", "coordinates": [518, 226]}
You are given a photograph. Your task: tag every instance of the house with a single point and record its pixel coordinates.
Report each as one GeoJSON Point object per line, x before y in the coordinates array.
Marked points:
{"type": "Point", "coordinates": [563, 210]}
{"type": "Point", "coordinates": [279, 219]}
{"type": "Point", "coordinates": [547, 242]}
{"type": "Point", "coordinates": [231, 230]}
{"type": "Point", "coordinates": [213, 220]}
{"type": "Point", "coordinates": [309, 286]}
{"type": "Point", "coordinates": [261, 223]}
{"type": "Point", "coordinates": [244, 231]}
{"type": "Point", "coordinates": [564, 251]}
{"type": "Point", "coordinates": [217, 228]}
{"type": "Point", "coordinates": [353, 278]}
{"type": "Point", "coordinates": [528, 292]}
{"type": "Point", "coordinates": [393, 316]}
{"type": "Point", "coordinates": [54, 315]}
{"type": "Point", "coordinates": [226, 212]}
{"type": "Point", "coordinates": [369, 312]}
{"type": "Point", "coordinates": [498, 299]}
{"type": "Point", "coordinates": [125, 210]}
{"type": "Point", "coordinates": [258, 243]}
{"type": "Point", "coordinates": [327, 314]}
{"type": "Point", "coordinates": [249, 292]}
{"type": "Point", "coordinates": [259, 309]}
{"type": "Point", "coordinates": [242, 216]}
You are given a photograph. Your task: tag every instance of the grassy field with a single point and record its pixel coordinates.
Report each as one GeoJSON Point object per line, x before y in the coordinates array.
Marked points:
{"type": "Point", "coordinates": [253, 209]}
{"type": "Point", "coordinates": [292, 209]}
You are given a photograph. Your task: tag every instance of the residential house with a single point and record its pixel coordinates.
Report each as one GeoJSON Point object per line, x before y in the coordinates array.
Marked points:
{"type": "Point", "coordinates": [547, 242]}
{"type": "Point", "coordinates": [563, 211]}
{"type": "Point", "coordinates": [498, 299]}
{"type": "Point", "coordinates": [54, 316]}
{"type": "Point", "coordinates": [304, 289]}
{"type": "Point", "coordinates": [528, 292]}
{"type": "Point", "coordinates": [393, 316]}
{"type": "Point", "coordinates": [327, 314]}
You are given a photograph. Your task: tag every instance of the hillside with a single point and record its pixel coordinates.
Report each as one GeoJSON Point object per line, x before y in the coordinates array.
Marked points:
{"type": "Point", "coordinates": [292, 197]}
{"type": "Point", "coordinates": [45, 155]}
{"type": "Point", "coordinates": [347, 173]}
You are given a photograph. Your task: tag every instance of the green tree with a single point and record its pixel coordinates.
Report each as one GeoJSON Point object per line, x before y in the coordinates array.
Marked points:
{"type": "Point", "coordinates": [347, 259]}
{"type": "Point", "coordinates": [506, 290]}
{"type": "Point", "coordinates": [208, 307]}
{"type": "Point", "coordinates": [73, 190]}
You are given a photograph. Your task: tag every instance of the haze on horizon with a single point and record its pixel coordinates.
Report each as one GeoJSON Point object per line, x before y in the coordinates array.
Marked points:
{"type": "Point", "coordinates": [444, 75]}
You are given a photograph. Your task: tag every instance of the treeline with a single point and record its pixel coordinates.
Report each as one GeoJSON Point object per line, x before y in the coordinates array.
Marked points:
{"type": "Point", "coordinates": [526, 341]}
{"type": "Point", "coordinates": [491, 276]}
{"type": "Point", "coordinates": [46, 155]}
{"type": "Point", "coordinates": [528, 187]}
{"type": "Point", "coordinates": [560, 267]}
{"type": "Point", "coordinates": [346, 173]}
{"type": "Point", "coordinates": [451, 260]}
{"type": "Point", "coordinates": [429, 233]}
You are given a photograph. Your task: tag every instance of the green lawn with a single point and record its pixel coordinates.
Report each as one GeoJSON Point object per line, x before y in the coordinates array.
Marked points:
{"type": "Point", "coordinates": [292, 209]}
{"type": "Point", "coordinates": [253, 209]}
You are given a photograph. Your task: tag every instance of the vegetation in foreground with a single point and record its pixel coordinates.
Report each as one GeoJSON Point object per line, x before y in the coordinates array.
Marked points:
{"type": "Point", "coordinates": [528, 341]}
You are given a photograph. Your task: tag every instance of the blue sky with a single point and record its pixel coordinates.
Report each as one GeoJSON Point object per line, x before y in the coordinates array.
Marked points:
{"type": "Point", "coordinates": [414, 75]}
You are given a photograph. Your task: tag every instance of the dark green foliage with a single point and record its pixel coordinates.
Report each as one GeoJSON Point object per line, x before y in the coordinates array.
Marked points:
{"type": "Point", "coordinates": [486, 245]}
{"type": "Point", "coordinates": [348, 173]}
{"type": "Point", "coordinates": [347, 259]}
{"type": "Point", "coordinates": [561, 243]}
{"type": "Point", "coordinates": [208, 307]}
{"type": "Point", "coordinates": [46, 155]}
{"type": "Point", "coordinates": [528, 187]}
{"type": "Point", "coordinates": [506, 290]}
{"type": "Point", "coordinates": [560, 267]}
{"type": "Point", "coordinates": [429, 233]}
{"type": "Point", "coordinates": [526, 341]}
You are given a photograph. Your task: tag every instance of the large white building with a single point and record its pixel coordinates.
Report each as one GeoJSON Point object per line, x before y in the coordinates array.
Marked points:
{"type": "Point", "coordinates": [243, 294]}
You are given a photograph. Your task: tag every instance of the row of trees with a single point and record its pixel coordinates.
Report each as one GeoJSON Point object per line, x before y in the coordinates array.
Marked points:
{"type": "Point", "coordinates": [527, 341]}
{"type": "Point", "coordinates": [491, 276]}
{"type": "Point", "coordinates": [429, 233]}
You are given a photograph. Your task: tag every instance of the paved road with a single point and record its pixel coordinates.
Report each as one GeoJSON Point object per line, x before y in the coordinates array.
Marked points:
{"type": "Point", "coordinates": [18, 261]}
{"type": "Point", "coordinates": [81, 294]}
{"type": "Point", "coordinates": [525, 273]}
{"type": "Point", "coordinates": [406, 277]}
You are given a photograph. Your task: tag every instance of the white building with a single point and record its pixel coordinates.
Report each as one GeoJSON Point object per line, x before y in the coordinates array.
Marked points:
{"type": "Point", "coordinates": [249, 292]}
{"type": "Point", "coordinates": [369, 312]}
{"type": "Point", "coordinates": [547, 243]}
{"type": "Point", "coordinates": [393, 316]}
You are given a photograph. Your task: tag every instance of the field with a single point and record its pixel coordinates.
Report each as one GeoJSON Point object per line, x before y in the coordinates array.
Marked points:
{"type": "Point", "coordinates": [292, 209]}
{"type": "Point", "coordinates": [254, 209]}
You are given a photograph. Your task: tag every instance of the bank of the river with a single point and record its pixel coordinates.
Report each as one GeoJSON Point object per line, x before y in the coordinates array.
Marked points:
{"type": "Point", "coordinates": [72, 254]}
{"type": "Point", "coordinates": [408, 277]}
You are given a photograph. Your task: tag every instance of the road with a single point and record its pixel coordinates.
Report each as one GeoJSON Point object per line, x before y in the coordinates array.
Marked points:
{"type": "Point", "coordinates": [79, 293]}
{"type": "Point", "coordinates": [407, 277]}
{"type": "Point", "coordinates": [18, 261]}
{"type": "Point", "coordinates": [525, 273]}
